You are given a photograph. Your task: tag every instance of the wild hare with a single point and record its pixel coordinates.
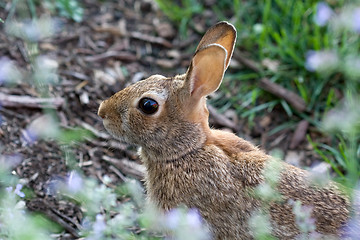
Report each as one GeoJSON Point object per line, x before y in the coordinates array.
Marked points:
{"type": "Point", "coordinates": [214, 171]}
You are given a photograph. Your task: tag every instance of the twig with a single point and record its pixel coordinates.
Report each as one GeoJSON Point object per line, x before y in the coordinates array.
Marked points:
{"type": "Point", "coordinates": [246, 62]}
{"type": "Point", "coordinates": [299, 134]}
{"type": "Point", "coordinates": [122, 56]}
{"type": "Point", "coordinates": [75, 75]}
{"type": "Point", "coordinates": [222, 120]}
{"type": "Point", "coordinates": [130, 168]}
{"type": "Point", "coordinates": [137, 35]}
{"type": "Point", "coordinates": [151, 39]}
{"type": "Point", "coordinates": [292, 98]}
{"type": "Point", "coordinates": [65, 217]}
{"type": "Point", "coordinates": [106, 183]}
{"type": "Point", "coordinates": [93, 130]}
{"type": "Point", "coordinates": [41, 205]}
{"type": "Point", "coordinates": [62, 223]}
{"type": "Point", "coordinates": [29, 102]}
{"type": "Point", "coordinates": [118, 173]}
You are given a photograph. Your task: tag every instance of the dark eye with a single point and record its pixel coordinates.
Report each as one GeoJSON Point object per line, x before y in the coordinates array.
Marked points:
{"type": "Point", "coordinates": [148, 105]}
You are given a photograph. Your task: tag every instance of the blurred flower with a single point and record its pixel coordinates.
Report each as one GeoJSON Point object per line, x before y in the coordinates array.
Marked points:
{"type": "Point", "coordinates": [17, 190]}
{"type": "Point", "coordinates": [186, 224]}
{"type": "Point", "coordinates": [345, 117]}
{"type": "Point", "coordinates": [45, 70]}
{"type": "Point", "coordinates": [9, 161]}
{"type": "Point", "coordinates": [193, 218]}
{"type": "Point", "coordinates": [321, 61]}
{"type": "Point", "coordinates": [258, 28]}
{"type": "Point", "coordinates": [74, 182]}
{"type": "Point", "coordinates": [8, 71]}
{"type": "Point", "coordinates": [352, 66]}
{"type": "Point", "coordinates": [44, 126]}
{"type": "Point", "coordinates": [32, 30]}
{"type": "Point", "coordinates": [356, 20]}
{"type": "Point", "coordinates": [28, 136]}
{"type": "Point", "coordinates": [98, 228]}
{"type": "Point", "coordinates": [352, 229]}
{"type": "Point", "coordinates": [323, 14]}
{"type": "Point", "coordinates": [260, 225]}
{"type": "Point", "coordinates": [303, 219]}
{"type": "Point", "coordinates": [173, 218]}
{"type": "Point", "coordinates": [53, 186]}
{"type": "Point", "coordinates": [99, 225]}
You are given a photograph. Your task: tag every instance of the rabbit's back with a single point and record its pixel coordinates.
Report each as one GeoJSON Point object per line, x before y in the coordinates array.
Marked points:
{"type": "Point", "coordinates": [222, 186]}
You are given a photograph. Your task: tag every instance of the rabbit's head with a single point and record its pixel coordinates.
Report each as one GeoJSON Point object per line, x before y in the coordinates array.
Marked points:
{"type": "Point", "coordinates": [168, 117]}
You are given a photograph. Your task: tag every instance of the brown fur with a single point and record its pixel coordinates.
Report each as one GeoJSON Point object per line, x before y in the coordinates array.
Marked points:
{"type": "Point", "coordinates": [214, 171]}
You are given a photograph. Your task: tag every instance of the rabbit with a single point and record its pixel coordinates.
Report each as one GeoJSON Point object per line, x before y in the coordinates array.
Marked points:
{"type": "Point", "coordinates": [216, 172]}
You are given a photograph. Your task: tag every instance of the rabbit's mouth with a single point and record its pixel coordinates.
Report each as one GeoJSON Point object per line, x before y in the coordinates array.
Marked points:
{"type": "Point", "coordinates": [112, 129]}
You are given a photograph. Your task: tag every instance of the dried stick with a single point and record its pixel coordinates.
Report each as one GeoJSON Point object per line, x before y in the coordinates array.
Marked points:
{"type": "Point", "coordinates": [137, 35]}
{"type": "Point", "coordinates": [130, 168]}
{"type": "Point", "coordinates": [29, 102]}
{"type": "Point", "coordinates": [222, 120]}
{"type": "Point", "coordinates": [299, 134]}
{"type": "Point", "coordinates": [122, 56]}
{"type": "Point", "coordinates": [292, 98]}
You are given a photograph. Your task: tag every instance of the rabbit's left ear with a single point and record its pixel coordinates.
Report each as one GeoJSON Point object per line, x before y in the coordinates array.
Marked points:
{"type": "Point", "coordinates": [211, 59]}
{"type": "Point", "coordinates": [222, 33]}
{"type": "Point", "coordinates": [206, 71]}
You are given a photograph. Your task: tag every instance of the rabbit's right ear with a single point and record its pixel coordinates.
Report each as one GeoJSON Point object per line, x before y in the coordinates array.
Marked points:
{"type": "Point", "coordinates": [222, 33]}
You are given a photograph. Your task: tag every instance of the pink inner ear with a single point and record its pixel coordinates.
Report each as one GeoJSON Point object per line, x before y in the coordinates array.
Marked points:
{"type": "Point", "coordinates": [207, 70]}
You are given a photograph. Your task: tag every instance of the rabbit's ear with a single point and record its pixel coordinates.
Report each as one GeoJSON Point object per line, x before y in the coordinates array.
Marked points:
{"type": "Point", "coordinates": [206, 71]}
{"type": "Point", "coordinates": [224, 34]}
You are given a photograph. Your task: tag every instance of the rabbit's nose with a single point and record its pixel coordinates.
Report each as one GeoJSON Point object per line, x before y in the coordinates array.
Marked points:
{"type": "Point", "coordinates": [101, 111]}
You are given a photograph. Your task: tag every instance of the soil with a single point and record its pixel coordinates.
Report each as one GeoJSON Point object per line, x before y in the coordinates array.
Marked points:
{"type": "Point", "coordinates": [116, 44]}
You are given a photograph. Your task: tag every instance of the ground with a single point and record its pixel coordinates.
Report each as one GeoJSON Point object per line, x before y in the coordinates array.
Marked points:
{"type": "Point", "coordinates": [117, 43]}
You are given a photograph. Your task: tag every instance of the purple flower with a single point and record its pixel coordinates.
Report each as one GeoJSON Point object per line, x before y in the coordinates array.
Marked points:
{"type": "Point", "coordinates": [5, 69]}
{"type": "Point", "coordinates": [303, 217]}
{"type": "Point", "coordinates": [193, 218]}
{"type": "Point", "coordinates": [29, 136]}
{"type": "Point", "coordinates": [9, 189]}
{"type": "Point", "coordinates": [10, 161]}
{"type": "Point", "coordinates": [99, 225]}
{"type": "Point", "coordinates": [173, 218]}
{"type": "Point", "coordinates": [356, 20]}
{"type": "Point", "coordinates": [18, 192]}
{"type": "Point", "coordinates": [351, 230]}
{"type": "Point", "coordinates": [320, 60]}
{"type": "Point", "coordinates": [323, 14]}
{"type": "Point", "coordinates": [74, 182]}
